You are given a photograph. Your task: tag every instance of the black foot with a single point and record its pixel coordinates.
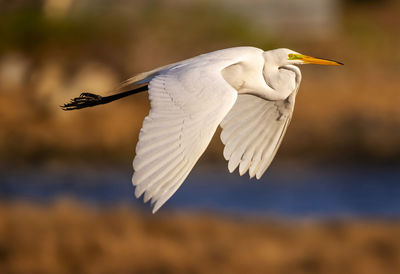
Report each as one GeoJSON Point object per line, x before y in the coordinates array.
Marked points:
{"type": "Point", "coordinates": [84, 100]}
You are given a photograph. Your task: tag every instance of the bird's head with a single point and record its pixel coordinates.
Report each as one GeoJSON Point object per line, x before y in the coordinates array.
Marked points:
{"type": "Point", "coordinates": [283, 57]}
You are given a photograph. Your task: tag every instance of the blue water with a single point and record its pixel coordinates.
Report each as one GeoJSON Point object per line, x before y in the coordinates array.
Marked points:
{"type": "Point", "coordinates": [285, 191]}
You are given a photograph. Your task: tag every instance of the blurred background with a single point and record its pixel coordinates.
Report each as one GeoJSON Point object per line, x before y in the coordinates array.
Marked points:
{"type": "Point", "coordinates": [329, 203]}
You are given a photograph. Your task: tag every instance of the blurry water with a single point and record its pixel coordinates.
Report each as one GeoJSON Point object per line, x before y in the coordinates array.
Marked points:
{"type": "Point", "coordinates": [283, 191]}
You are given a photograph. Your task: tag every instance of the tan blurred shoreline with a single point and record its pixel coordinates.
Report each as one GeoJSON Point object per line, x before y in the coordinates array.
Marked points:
{"type": "Point", "coordinates": [67, 237]}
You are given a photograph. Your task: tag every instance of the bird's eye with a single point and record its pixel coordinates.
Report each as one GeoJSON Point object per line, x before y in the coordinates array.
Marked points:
{"type": "Point", "coordinates": [291, 56]}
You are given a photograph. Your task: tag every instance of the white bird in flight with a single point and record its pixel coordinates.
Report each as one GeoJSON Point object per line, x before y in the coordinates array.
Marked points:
{"type": "Point", "coordinates": [249, 92]}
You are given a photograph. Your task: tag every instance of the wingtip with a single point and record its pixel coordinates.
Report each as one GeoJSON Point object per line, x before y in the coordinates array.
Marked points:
{"type": "Point", "coordinates": [156, 207]}
{"type": "Point", "coordinates": [231, 168]}
{"type": "Point", "coordinates": [146, 197]}
{"type": "Point", "coordinates": [226, 153]}
{"type": "Point", "coordinates": [251, 174]}
{"type": "Point", "coordinates": [138, 192]}
{"type": "Point", "coordinates": [244, 167]}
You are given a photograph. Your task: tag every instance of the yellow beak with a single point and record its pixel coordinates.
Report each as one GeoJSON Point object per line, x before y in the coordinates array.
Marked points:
{"type": "Point", "coordinates": [319, 61]}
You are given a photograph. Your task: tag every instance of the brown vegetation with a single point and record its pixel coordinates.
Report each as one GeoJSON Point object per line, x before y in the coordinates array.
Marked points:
{"type": "Point", "coordinates": [69, 238]}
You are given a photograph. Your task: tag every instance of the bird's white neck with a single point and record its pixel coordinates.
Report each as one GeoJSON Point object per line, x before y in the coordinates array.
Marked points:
{"type": "Point", "coordinates": [279, 83]}
{"type": "Point", "coordinates": [263, 78]}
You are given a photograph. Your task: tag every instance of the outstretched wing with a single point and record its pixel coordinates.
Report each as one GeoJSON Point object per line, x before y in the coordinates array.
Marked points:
{"type": "Point", "coordinates": [187, 105]}
{"type": "Point", "coordinates": [252, 132]}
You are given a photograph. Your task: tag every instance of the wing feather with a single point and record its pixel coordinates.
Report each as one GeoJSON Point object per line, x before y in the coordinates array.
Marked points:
{"type": "Point", "coordinates": [252, 132]}
{"type": "Point", "coordinates": [172, 186]}
{"type": "Point", "coordinates": [171, 176]}
{"type": "Point", "coordinates": [239, 144]}
{"type": "Point", "coordinates": [187, 105]}
{"type": "Point", "coordinates": [232, 128]}
{"type": "Point", "coordinates": [242, 135]}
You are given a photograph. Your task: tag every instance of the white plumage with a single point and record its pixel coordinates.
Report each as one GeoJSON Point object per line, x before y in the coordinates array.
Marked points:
{"type": "Point", "coordinates": [187, 105]}
{"type": "Point", "coordinates": [248, 91]}
{"type": "Point", "coordinates": [252, 132]}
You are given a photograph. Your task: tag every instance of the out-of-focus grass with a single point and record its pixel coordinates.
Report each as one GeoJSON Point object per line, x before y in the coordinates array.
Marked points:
{"type": "Point", "coordinates": [349, 112]}
{"type": "Point", "coordinates": [112, 27]}
{"type": "Point", "coordinates": [69, 238]}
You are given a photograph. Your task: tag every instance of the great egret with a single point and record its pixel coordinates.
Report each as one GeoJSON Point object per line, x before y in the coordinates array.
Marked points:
{"type": "Point", "coordinates": [249, 92]}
